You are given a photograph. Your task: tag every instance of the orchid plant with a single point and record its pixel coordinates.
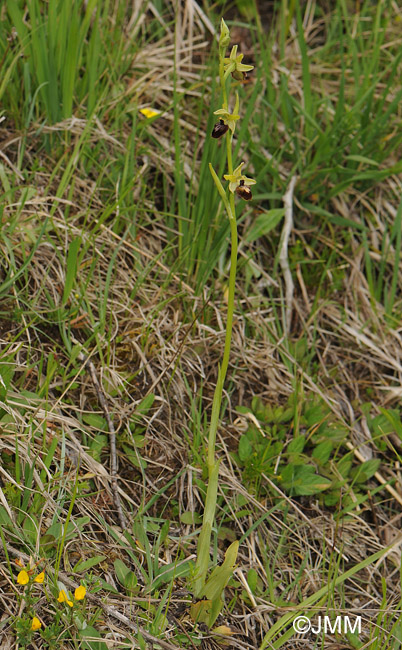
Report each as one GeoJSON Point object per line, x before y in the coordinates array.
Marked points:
{"type": "Point", "coordinates": [208, 590]}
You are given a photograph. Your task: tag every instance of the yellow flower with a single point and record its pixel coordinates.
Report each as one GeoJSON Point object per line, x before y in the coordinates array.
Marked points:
{"type": "Point", "coordinates": [23, 577]}
{"type": "Point", "coordinates": [237, 178]}
{"type": "Point", "coordinates": [40, 577]}
{"type": "Point", "coordinates": [229, 118]}
{"type": "Point", "coordinates": [36, 624]}
{"type": "Point", "coordinates": [80, 592]}
{"type": "Point", "coordinates": [149, 112]}
{"type": "Point", "coordinates": [234, 65]}
{"type": "Point", "coordinates": [63, 598]}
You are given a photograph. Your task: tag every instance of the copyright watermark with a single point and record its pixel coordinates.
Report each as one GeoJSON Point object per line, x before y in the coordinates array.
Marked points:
{"type": "Point", "coordinates": [340, 624]}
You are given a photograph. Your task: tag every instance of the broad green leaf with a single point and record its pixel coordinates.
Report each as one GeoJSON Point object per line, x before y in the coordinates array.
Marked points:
{"type": "Point", "coordinates": [302, 480]}
{"type": "Point", "coordinates": [322, 452]}
{"type": "Point", "coordinates": [366, 470]}
{"type": "Point", "coordinates": [221, 574]}
{"type": "Point", "coordinates": [200, 611]}
{"type": "Point", "coordinates": [344, 466]}
{"type": "Point", "coordinates": [124, 575]}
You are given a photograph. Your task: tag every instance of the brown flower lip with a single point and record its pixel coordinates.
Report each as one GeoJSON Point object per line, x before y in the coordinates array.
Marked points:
{"type": "Point", "coordinates": [239, 76]}
{"type": "Point", "coordinates": [244, 191]}
{"type": "Point", "coordinates": [219, 129]}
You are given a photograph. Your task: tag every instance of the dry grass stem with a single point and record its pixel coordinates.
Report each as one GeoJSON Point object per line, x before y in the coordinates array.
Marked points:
{"type": "Point", "coordinates": [283, 252]}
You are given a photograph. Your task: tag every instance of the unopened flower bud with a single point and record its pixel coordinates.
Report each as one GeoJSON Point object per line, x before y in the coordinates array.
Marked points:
{"type": "Point", "coordinates": [224, 38]}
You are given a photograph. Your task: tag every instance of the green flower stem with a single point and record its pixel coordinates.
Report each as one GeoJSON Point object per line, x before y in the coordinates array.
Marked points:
{"type": "Point", "coordinates": [222, 79]}
{"type": "Point", "coordinates": [229, 137]}
{"type": "Point", "coordinates": [204, 540]}
{"type": "Point", "coordinates": [216, 404]}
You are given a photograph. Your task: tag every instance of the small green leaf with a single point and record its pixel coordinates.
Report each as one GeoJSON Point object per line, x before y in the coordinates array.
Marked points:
{"type": "Point", "coordinates": [91, 632]}
{"type": "Point", "coordinates": [94, 420]}
{"type": "Point", "coordinates": [365, 471]}
{"type": "Point", "coordinates": [344, 466]}
{"type": "Point", "coordinates": [30, 526]}
{"type": "Point", "coordinates": [124, 575]}
{"type": "Point", "coordinates": [168, 572]}
{"type": "Point", "coordinates": [322, 452]}
{"type": "Point", "coordinates": [393, 417]}
{"type": "Point", "coordinates": [55, 532]}
{"type": "Point", "coordinates": [101, 584]}
{"type": "Point", "coordinates": [331, 498]}
{"type": "Point", "coordinates": [143, 407]}
{"type": "Point", "coordinates": [189, 517]}
{"type": "Point", "coordinates": [296, 446]}
{"type": "Point", "coordinates": [246, 512]}
{"type": "Point", "coordinates": [98, 444]}
{"type": "Point", "coordinates": [252, 579]}
{"type": "Point", "coordinates": [88, 564]}
{"type": "Point", "coordinates": [302, 480]}
{"type": "Point", "coordinates": [243, 409]}
{"type": "Point", "coordinates": [5, 519]}
{"type": "Point", "coordinates": [134, 458]}
{"type": "Point", "coordinates": [245, 449]}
